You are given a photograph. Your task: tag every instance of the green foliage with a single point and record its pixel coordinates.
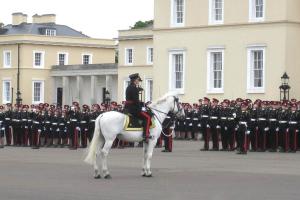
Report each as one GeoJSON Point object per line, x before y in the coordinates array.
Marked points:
{"type": "Point", "coordinates": [142, 24]}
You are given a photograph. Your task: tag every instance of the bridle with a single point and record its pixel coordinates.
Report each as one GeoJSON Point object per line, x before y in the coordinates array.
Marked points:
{"type": "Point", "coordinates": [173, 117]}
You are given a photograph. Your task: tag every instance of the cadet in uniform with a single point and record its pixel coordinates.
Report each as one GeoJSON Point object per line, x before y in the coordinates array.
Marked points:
{"type": "Point", "coordinates": [7, 124]}
{"type": "Point", "coordinates": [283, 118]}
{"type": "Point", "coordinates": [293, 130]}
{"type": "Point", "coordinates": [242, 117]}
{"type": "Point", "coordinates": [204, 113]}
{"type": "Point", "coordinates": [214, 117]}
{"type": "Point", "coordinates": [2, 126]}
{"type": "Point", "coordinates": [84, 119]}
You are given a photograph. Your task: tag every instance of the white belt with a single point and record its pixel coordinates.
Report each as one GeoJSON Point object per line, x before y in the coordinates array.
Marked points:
{"type": "Point", "coordinates": [261, 119]}
{"type": "Point", "coordinates": [7, 118]}
{"type": "Point", "coordinates": [47, 122]}
{"type": "Point", "coordinates": [29, 120]}
{"type": "Point", "coordinates": [282, 122]}
{"type": "Point", "coordinates": [253, 120]}
{"type": "Point", "coordinates": [195, 119]}
{"type": "Point", "coordinates": [93, 120]}
{"type": "Point", "coordinates": [230, 118]}
{"type": "Point", "coordinates": [188, 118]}
{"type": "Point", "coordinates": [83, 122]}
{"type": "Point", "coordinates": [54, 124]}
{"type": "Point", "coordinates": [61, 124]}
{"type": "Point", "coordinates": [1, 121]}
{"type": "Point", "coordinates": [36, 122]}
{"type": "Point", "coordinates": [273, 120]}
{"type": "Point", "coordinates": [293, 122]}
{"type": "Point", "coordinates": [204, 116]}
{"type": "Point", "coordinates": [24, 120]}
{"type": "Point", "coordinates": [74, 120]}
{"type": "Point", "coordinates": [213, 117]}
{"type": "Point", "coordinates": [243, 123]}
{"type": "Point", "coordinates": [223, 118]}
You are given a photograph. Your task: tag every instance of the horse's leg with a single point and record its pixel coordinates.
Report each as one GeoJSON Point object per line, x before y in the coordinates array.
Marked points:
{"type": "Point", "coordinates": [104, 154]}
{"type": "Point", "coordinates": [145, 146]}
{"type": "Point", "coordinates": [149, 153]}
{"type": "Point", "coordinates": [96, 168]}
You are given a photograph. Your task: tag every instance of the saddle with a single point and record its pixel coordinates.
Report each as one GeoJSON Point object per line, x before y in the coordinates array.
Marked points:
{"type": "Point", "coordinates": [135, 124]}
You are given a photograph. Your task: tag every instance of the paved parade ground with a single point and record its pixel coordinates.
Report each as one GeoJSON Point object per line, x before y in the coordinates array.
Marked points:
{"type": "Point", "coordinates": [187, 173]}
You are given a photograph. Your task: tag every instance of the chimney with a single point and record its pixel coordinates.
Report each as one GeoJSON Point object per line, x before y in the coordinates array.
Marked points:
{"type": "Point", "coordinates": [18, 18]}
{"type": "Point", "coordinates": [46, 18]}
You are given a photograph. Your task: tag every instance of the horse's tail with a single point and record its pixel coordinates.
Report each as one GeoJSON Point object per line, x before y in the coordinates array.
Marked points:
{"type": "Point", "coordinates": [97, 139]}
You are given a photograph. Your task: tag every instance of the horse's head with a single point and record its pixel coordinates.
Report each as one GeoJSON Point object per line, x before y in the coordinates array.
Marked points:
{"type": "Point", "coordinates": [178, 110]}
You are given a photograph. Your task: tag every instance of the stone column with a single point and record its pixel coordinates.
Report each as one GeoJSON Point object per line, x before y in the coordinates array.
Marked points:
{"type": "Point", "coordinates": [78, 84]}
{"type": "Point", "coordinates": [66, 90]}
{"type": "Point", "coordinates": [108, 79]}
{"type": "Point", "coordinates": [93, 89]}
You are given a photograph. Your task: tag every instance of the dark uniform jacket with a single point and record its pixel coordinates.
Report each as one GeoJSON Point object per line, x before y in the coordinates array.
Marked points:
{"type": "Point", "coordinates": [133, 104]}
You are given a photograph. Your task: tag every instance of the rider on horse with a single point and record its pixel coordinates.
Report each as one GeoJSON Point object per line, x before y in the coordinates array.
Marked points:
{"type": "Point", "coordinates": [136, 107]}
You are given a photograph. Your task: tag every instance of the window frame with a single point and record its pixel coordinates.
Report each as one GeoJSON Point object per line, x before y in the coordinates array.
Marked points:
{"type": "Point", "coordinates": [252, 11]}
{"type": "Point", "coordinates": [42, 92]}
{"type": "Point", "coordinates": [210, 78]}
{"type": "Point", "coordinates": [148, 93]}
{"type": "Point", "coordinates": [126, 56]}
{"type": "Point", "coordinates": [149, 61]}
{"type": "Point", "coordinates": [90, 59]}
{"type": "Point", "coordinates": [4, 59]}
{"type": "Point", "coordinates": [4, 99]}
{"type": "Point", "coordinates": [66, 57]}
{"type": "Point", "coordinates": [42, 59]}
{"type": "Point", "coordinates": [212, 16]}
{"type": "Point", "coordinates": [50, 32]}
{"type": "Point", "coordinates": [250, 83]}
{"type": "Point", "coordinates": [125, 85]}
{"type": "Point", "coordinates": [173, 21]}
{"type": "Point", "coordinates": [172, 87]}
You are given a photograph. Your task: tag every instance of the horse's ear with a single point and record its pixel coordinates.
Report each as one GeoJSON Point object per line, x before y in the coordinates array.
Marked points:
{"type": "Point", "coordinates": [176, 99]}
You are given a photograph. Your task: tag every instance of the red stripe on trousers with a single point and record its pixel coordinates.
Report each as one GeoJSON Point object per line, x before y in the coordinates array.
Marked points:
{"type": "Point", "coordinates": [148, 120]}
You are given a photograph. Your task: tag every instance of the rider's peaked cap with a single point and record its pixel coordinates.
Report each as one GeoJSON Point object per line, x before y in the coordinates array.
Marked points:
{"type": "Point", "coordinates": [135, 76]}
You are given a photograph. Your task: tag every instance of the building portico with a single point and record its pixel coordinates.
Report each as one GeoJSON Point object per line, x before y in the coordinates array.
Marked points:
{"type": "Point", "coordinates": [85, 84]}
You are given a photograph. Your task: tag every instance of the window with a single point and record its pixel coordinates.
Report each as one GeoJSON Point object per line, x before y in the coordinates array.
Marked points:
{"type": "Point", "coordinates": [38, 59]}
{"type": "Point", "coordinates": [128, 56]}
{"type": "Point", "coordinates": [256, 10]}
{"type": "Point", "coordinates": [62, 58]}
{"type": "Point", "coordinates": [149, 90]}
{"type": "Point", "coordinates": [215, 69]}
{"type": "Point", "coordinates": [50, 32]}
{"type": "Point", "coordinates": [177, 12]}
{"type": "Point", "coordinates": [177, 65]}
{"type": "Point", "coordinates": [6, 94]}
{"type": "Point", "coordinates": [149, 55]}
{"type": "Point", "coordinates": [256, 70]}
{"type": "Point", "coordinates": [6, 59]}
{"type": "Point", "coordinates": [126, 83]}
{"type": "Point", "coordinates": [216, 11]}
{"type": "Point", "coordinates": [86, 59]}
{"type": "Point", "coordinates": [37, 92]}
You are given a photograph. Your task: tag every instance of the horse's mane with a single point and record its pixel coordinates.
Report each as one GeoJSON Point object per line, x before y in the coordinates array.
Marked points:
{"type": "Point", "coordinates": [164, 98]}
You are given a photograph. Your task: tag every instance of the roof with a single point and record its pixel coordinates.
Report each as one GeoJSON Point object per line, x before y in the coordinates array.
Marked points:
{"type": "Point", "coordinates": [38, 29]}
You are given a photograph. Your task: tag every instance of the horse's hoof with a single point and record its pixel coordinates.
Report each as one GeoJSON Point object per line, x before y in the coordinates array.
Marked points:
{"type": "Point", "coordinates": [143, 175]}
{"type": "Point", "coordinates": [97, 177]}
{"type": "Point", "coordinates": [108, 176]}
{"type": "Point", "coordinates": [148, 176]}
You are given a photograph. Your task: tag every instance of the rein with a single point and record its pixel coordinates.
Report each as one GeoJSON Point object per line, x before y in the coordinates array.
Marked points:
{"type": "Point", "coordinates": [172, 117]}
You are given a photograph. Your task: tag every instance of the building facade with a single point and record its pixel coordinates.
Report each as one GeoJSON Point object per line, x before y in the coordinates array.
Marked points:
{"type": "Point", "coordinates": [136, 56]}
{"type": "Point", "coordinates": [225, 48]}
{"type": "Point", "coordinates": [43, 47]}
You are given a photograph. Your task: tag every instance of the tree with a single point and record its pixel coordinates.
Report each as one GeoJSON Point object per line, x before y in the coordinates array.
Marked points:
{"type": "Point", "coordinates": [142, 24]}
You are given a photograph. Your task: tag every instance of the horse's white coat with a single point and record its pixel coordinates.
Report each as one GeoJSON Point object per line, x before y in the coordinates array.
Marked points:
{"type": "Point", "coordinates": [110, 125]}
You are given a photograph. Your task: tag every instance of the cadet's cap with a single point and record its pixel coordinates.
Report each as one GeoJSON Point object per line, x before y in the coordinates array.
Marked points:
{"type": "Point", "coordinates": [135, 76]}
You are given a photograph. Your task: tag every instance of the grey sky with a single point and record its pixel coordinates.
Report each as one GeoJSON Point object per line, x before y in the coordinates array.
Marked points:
{"type": "Point", "coordinates": [96, 18]}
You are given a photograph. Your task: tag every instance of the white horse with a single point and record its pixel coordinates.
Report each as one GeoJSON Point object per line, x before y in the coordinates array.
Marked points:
{"type": "Point", "coordinates": [110, 125]}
